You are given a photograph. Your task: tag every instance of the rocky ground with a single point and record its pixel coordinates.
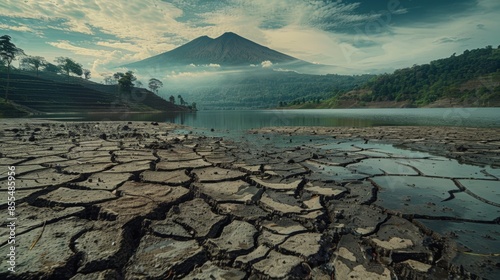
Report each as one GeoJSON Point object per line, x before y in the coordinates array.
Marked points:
{"type": "Point", "coordinates": [135, 200]}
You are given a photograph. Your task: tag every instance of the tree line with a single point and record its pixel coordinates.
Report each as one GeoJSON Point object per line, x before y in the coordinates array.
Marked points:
{"type": "Point", "coordinates": [10, 52]}
{"type": "Point", "coordinates": [65, 65]}
{"type": "Point", "coordinates": [443, 78]}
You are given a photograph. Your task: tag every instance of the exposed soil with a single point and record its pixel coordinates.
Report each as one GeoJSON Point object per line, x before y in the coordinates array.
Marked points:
{"type": "Point", "coordinates": [135, 200]}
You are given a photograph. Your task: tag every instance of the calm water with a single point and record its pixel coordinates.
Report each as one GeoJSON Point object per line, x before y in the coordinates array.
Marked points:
{"type": "Point", "coordinates": [247, 119]}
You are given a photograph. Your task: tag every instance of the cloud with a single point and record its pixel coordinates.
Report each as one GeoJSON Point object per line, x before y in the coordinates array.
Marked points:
{"type": "Point", "coordinates": [359, 35]}
{"type": "Point", "coordinates": [20, 28]}
{"type": "Point", "coordinates": [145, 20]}
{"type": "Point", "coordinates": [66, 45]}
{"type": "Point", "coordinates": [362, 51]}
{"type": "Point", "coordinates": [266, 64]}
{"type": "Point", "coordinates": [189, 75]}
{"type": "Point", "coordinates": [445, 40]}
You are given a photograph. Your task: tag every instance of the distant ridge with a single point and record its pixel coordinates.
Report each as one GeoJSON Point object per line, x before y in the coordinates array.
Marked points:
{"type": "Point", "coordinates": [229, 49]}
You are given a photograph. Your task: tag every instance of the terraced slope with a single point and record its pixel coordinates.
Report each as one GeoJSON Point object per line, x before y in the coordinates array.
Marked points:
{"type": "Point", "coordinates": [50, 96]}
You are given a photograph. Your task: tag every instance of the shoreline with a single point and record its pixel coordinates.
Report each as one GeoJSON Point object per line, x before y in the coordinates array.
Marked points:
{"type": "Point", "coordinates": [116, 193]}
{"type": "Point", "coordinates": [471, 145]}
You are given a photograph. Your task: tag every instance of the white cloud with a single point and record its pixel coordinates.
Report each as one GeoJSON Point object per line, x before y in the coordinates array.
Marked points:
{"type": "Point", "coordinates": [402, 47]}
{"type": "Point", "coordinates": [266, 64]}
{"type": "Point", "coordinates": [189, 75]}
{"type": "Point", "coordinates": [21, 28]}
{"type": "Point", "coordinates": [140, 21]}
{"type": "Point", "coordinates": [308, 30]}
{"type": "Point", "coordinates": [66, 45]}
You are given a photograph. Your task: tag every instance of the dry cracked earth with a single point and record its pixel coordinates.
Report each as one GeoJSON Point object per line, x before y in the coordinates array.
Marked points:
{"type": "Point", "coordinates": [123, 200]}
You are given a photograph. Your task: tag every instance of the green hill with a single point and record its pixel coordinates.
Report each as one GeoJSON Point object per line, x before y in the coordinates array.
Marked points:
{"type": "Point", "coordinates": [469, 79]}
{"type": "Point", "coordinates": [51, 93]}
{"type": "Point", "coordinates": [265, 89]}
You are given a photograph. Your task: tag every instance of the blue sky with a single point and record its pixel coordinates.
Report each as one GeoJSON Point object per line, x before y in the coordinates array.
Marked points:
{"type": "Point", "coordinates": [363, 36]}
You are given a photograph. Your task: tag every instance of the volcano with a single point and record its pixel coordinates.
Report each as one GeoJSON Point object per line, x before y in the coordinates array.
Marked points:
{"type": "Point", "coordinates": [229, 49]}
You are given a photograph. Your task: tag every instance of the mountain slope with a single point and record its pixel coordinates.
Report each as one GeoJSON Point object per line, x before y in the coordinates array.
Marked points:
{"type": "Point", "coordinates": [443, 78]}
{"type": "Point", "coordinates": [469, 79]}
{"type": "Point", "coordinates": [60, 94]}
{"type": "Point", "coordinates": [229, 49]}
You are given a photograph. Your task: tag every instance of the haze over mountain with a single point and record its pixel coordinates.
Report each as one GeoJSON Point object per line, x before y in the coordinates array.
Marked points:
{"type": "Point", "coordinates": [233, 72]}
{"type": "Point", "coordinates": [227, 50]}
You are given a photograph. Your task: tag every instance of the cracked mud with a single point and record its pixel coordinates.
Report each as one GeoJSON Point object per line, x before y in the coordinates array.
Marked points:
{"type": "Point", "coordinates": [148, 201]}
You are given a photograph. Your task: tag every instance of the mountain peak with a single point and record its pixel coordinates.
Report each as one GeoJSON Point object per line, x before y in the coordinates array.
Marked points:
{"type": "Point", "coordinates": [229, 34]}
{"type": "Point", "coordinates": [229, 49]}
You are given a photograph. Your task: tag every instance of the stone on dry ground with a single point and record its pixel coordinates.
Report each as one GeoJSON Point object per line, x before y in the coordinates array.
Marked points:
{"type": "Point", "coordinates": [130, 200]}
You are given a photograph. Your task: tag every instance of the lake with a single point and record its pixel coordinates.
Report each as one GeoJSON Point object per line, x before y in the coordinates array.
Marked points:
{"type": "Point", "coordinates": [248, 119]}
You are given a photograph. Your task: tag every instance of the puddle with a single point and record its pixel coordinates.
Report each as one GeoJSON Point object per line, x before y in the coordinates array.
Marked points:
{"type": "Point", "coordinates": [334, 173]}
{"type": "Point", "coordinates": [478, 244]}
{"type": "Point", "coordinates": [494, 172]}
{"type": "Point", "coordinates": [430, 197]}
{"type": "Point", "coordinates": [448, 168]}
{"type": "Point", "coordinates": [487, 190]}
{"type": "Point", "coordinates": [381, 166]}
{"type": "Point", "coordinates": [394, 169]}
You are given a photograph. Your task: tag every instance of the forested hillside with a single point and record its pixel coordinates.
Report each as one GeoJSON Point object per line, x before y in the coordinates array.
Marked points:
{"type": "Point", "coordinates": [443, 78]}
{"type": "Point", "coordinates": [469, 79]}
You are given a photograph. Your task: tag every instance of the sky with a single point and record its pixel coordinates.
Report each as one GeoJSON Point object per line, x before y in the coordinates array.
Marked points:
{"type": "Point", "coordinates": [370, 36]}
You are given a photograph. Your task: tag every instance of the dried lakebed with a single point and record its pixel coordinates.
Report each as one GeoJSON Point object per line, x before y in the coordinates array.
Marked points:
{"type": "Point", "coordinates": [119, 200]}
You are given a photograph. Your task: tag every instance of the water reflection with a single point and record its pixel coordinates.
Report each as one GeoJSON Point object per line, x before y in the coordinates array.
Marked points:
{"type": "Point", "coordinates": [173, 117]}
{"type": "Point", "coordinates": [248, 119]}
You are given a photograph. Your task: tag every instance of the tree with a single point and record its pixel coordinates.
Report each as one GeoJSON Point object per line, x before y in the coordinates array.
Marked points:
{"type": "Point", "coordinates": [117, 76]}
{"type": "Point", "coordinates": [86, 74]}
{"type": "Point", "coordinates": [109, 80]}
{"type": "Point", "coordinates": [155, 84]}
{"type": "Point", "coordinates": [181, 100]}
{"type": "Point", "coordinates": [138, 84]}
{"type": "Point", "coordinates": [68, 65]}
{"type": "Point", "coordinates": [49, 67]}
{"type": "Point", "coordinates": [34, 62]}
{"type": "Point", "coordinates": [8, 53]}
{"type": "Point", "coordinates": [172, 99]}
{"type": "Point", "coordinates": [125, 80]}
